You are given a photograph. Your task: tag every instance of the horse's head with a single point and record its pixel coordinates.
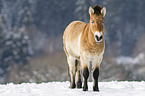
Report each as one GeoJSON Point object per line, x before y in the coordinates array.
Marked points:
{"type": "Point", "coordinates": [97, 15]}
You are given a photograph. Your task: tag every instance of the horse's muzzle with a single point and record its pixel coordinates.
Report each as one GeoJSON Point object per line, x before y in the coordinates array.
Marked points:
{"type": "Point", "coordinates": [98, 37]}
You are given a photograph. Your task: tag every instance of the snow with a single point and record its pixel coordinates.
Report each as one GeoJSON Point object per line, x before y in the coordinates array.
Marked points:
{"type": "Point", "coordinates": [139, 59]}
{"type": "Point", "coordinates": [113, 88]}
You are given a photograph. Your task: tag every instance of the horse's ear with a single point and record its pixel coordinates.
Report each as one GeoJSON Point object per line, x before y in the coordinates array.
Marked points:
{"type": "Point", "coordinates": [103, 11]}
{"type": "Point", "coordinates": [91, 10]}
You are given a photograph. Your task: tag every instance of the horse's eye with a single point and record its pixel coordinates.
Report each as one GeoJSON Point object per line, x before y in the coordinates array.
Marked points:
{"type": "Point", "coordinates": [92, 22]}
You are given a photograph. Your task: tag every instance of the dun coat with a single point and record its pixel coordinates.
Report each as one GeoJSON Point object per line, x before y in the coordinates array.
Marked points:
{"type": "Point", "coordinates": [84, 45]}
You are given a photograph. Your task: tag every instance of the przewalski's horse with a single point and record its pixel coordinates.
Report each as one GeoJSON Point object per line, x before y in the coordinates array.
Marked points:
{"type": "Point", "coordinates": [84, 45]}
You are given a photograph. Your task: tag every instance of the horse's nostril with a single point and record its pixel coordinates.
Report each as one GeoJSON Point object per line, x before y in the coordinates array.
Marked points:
{"type": "Point", "coordinates": [99, 38]}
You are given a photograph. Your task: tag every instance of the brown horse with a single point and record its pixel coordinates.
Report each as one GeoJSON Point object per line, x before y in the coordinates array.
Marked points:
{"type": "Point", "coordinates": [84, 45]}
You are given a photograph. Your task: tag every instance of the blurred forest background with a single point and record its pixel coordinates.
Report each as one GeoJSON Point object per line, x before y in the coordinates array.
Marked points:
{"type": "Point", "coordinates": [31, 48]}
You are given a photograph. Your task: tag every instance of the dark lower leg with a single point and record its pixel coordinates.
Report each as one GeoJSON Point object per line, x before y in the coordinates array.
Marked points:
{"type": "Point", "coordinates": [85, 75]}
{"type": "Point", "coordinates": [96, 75]}
{"type": "Point", "coordinates": [73, 85]}
{"type": "Point", "coordinates": [79, 81]}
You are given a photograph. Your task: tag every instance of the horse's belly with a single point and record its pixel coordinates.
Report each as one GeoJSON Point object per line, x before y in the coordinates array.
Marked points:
{"type": "Point", "coordinates": [73, 49]}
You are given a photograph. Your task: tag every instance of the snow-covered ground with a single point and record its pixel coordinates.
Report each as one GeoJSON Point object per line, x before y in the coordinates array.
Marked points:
{"type": "Point", "coordinates": [113, 88]}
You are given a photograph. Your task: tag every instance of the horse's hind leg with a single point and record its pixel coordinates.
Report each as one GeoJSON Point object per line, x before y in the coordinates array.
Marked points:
{"type": "Point", "coordinates": [78, 74]}
{"type": "Point", "coordinates": [72, 70]}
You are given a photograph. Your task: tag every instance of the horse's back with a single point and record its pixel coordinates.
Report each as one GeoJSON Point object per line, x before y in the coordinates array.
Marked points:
{"type": "Point", "coordinates": [71, 38]}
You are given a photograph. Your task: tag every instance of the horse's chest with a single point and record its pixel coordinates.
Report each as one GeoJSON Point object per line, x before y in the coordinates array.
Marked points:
{"type": "Point", "coordinates": [94, 58]}
{"type": "Point", "coordinates": [91, 47]}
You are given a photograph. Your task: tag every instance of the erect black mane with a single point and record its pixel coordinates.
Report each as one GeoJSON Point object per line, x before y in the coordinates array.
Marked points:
{"type": "Point", "coordinates": [97, 9]}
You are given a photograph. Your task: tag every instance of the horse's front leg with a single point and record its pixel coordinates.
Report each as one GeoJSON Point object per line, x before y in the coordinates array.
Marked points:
{"type": "Point", "coordinates": [85, 74]}
{"type": "Point", "coordinates": [95, 76]}
{"type": "Point", "coordinates": [96, 65]}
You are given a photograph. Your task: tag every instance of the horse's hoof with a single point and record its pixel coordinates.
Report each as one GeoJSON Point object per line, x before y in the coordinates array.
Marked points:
{"type": "Point", "coordinates": [79, 85]}
{"type": "Point", "coordinates": [72, 86]}
{"type": "Point", "coordinates": [85, 88]}
{"type": "Point", "coordinates": [96, 89]}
